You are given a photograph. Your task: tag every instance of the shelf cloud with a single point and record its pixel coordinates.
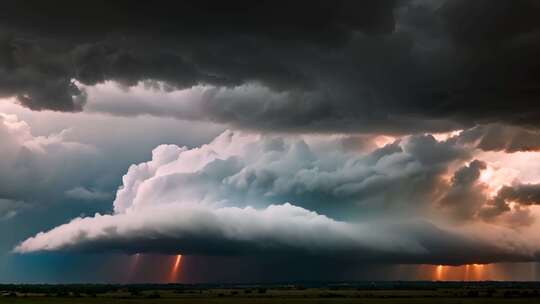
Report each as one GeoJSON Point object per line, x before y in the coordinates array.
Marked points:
{"type": "Point", "coordinates": [251, 194]}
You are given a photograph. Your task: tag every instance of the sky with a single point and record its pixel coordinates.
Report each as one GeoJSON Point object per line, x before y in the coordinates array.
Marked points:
{"type": "Point", "coordinates": [269, 141]}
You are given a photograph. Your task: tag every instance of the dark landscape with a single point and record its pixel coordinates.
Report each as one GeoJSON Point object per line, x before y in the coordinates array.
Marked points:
{"type": "Point", "coordinates": [362, 292]}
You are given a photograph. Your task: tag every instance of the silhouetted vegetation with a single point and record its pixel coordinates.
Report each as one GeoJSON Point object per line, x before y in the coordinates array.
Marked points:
{"type": "Point", "coordinates": [361, 292]}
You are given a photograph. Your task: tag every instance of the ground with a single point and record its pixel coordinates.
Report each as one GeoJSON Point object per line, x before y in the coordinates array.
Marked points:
{"type": "Point", "coordinates": [382, 292]}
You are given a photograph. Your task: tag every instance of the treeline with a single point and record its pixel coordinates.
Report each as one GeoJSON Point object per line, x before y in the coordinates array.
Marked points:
{"type": "Point", "coordinates": [134, 289]}
{"type": "Point", "coordinates": [59, 289]}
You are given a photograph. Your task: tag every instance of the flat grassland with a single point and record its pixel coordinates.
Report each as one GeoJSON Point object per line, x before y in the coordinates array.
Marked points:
{"type": "Point", "coordinates": [463, 293]}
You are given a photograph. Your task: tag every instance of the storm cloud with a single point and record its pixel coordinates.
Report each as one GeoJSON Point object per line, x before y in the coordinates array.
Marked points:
{"type": "Point", "coordinates": [514, 197]}
{"type": "Point", "coordinates": [391, 131]}
{"type": "Point", "coordinates": [277, 229]}
{"type": "Point", "coordinates": [247, 194]}
{"type": "Point", "coordinates": [384, 66]}
{"type": "Point", "coordinates": [495, 137]}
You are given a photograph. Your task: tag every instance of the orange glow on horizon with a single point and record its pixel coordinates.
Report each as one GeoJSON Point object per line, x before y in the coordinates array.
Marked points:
{"type": "Point", "coordinates": [470, 272]}
{"type": "Point", "coordinates": [439, 272]}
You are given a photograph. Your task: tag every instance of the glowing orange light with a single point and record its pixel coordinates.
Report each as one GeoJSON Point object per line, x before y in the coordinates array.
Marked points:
{"type": "Point", "coordinates": [176, 267]}
{"type": "Point", "coordinates": [470, 272]}
{"type": "Point", "coordinates": [445, 135]}
{"type": "Point", "coordinates": [439, 273]}
{"type": "Point", "coordinates": [382, 140]}
{"type": "Point", "coordinates": [177, 262]}
{"type": "Point", "coordinates": [479, 268]}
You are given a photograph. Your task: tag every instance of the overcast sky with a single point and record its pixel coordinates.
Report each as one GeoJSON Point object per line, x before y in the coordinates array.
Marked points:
{"type": "Point", "coordinates": [269, 140]}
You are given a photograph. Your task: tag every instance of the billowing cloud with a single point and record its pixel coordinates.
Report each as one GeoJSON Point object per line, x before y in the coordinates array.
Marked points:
{"type": "Point", "coordinates": [514, 198]}
{"type": "Point", "coordinates": [248, 169]}
{"type": "Point", "coordinates": [246, 193]}
{"type": "Point", "coordinates": [466, 193]}
{"type": "Point", "coordinates": [526, 194]}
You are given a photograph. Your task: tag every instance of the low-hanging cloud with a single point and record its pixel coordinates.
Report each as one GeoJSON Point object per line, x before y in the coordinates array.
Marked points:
{"type": "Point", "coordinates": [277, 229]}
{"type": "Point", "coordinates": [246, 194]}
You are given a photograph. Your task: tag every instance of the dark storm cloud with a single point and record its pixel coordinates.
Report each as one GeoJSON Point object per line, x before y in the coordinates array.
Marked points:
{"type": "Point", "coordinates": [526, 194]}
{"type": "Point", "coordinates": [520, 194]}
{"type": "Point", "coordinates": [319, 21]}
{"type": "Point", "coordinates": [390, 66]}
{"type": "Point", "coordinates": [40, 79]}
{"type": "Point", "coordinates": [497, 41]}
{"type": "Point", "coordinates": [490, 22]}
{"type": "Point", "coordinates": [466, 195]}
{"type": "Point", "coordinates": [181, 43]}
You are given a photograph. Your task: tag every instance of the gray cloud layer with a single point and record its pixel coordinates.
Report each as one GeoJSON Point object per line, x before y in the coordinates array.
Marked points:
{"type": "Point", "coordinates": [495, 137]}
{"type": "Point", "coordinates": [35, 166]}
{"type": "Point", "coordinates": [391, 66]}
